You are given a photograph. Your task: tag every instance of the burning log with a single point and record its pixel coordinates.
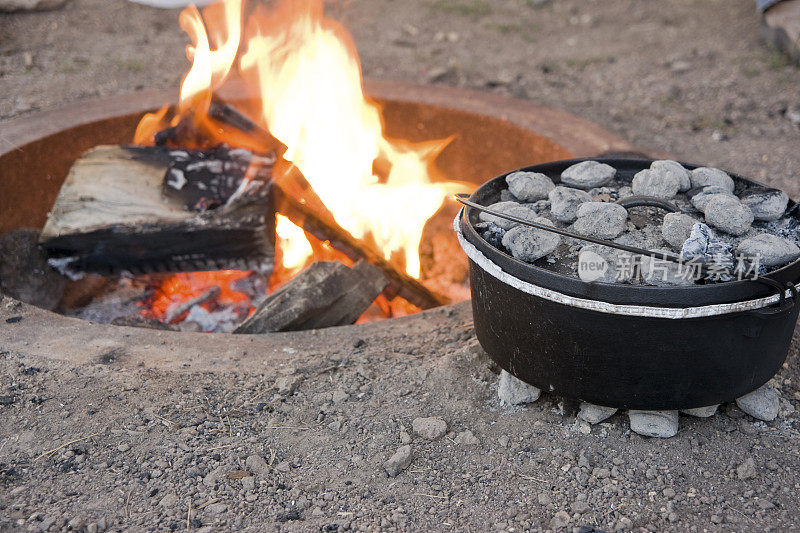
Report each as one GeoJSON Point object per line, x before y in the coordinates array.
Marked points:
{"type": "Point", "coordinates": [325, 294]}
{"type": "Point", "coordinates": [209, 295]}
{"type": "Point", "coordinates": [321, 224]}
{"type": "Point", "coordinates": [145, 209]}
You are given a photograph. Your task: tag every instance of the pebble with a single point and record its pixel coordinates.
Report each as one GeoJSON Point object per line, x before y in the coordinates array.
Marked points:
{"type": "Point", "coordinates": [766, 204]}
{"type": "Point", "coordinates": [663, 185]}
{"type": "Point", "coordinates": [704, 176]}
{"type": "Point", "coordinates": [430, 428]}
{"type": "Point", "coordinates": [768, 250]}
{"type": "Point", "coordinates": [746, 470]}
{"type": "Point", "coordinates": [564, 203]}
{"type": "Point", "coordinates": [287, 385]}
{"type": "Point", "coordinates": [598, 263]}
{"type": "Point", "coordinates": [529, 244]}
{"type": "Point", "coordinates": [169, 500]}
{"type": "Point", "coordinates": [217, 508]}
{"type": "Point", "coordinates": [529, 186]}
{"type": "Point", "coordinates": [124, 447]}
{"type": "Point", "coordinates": [257, 465]}
{"type": "Point", "coordinates": [661, 424]}
{"type": "Point", "coordinates": [701, 412]}
{"type": "Point", "coordinates": [249, 483]}
{"type": "Point", "coordinates": [763, 403]}
{"type": "Point", "coordinates": [600, 219]}
{"type": "Point", "coordinates": [700, 197]}
{"type": "Point", "coordinates": [560, 520]}
{"type": "Point", "coordinates": [668, 167]}
{"type": "Point", "coordinates": [588, 174]}
{"type": "Point", "coordinates": [728, 214]}
{"type": "Point", "coordinates": [676, 229]}
{"type": "Point", "coordinates": [399, 461]}
{"type": "Point", "coordinates": [466, 438]}
{"type": "Point", "coordinates": [513, 391]}
{"type": "Point", "coordinates": [662, 273]}
{"type": "Point", "coordinates": [509, 208]}
{"type": "Point", "coordinates": [594, 414]}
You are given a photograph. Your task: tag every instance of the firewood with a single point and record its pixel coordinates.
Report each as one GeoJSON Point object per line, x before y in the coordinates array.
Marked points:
{"type": "Point", "coordinates": [325, 294]}
{"type": "Point", "coordinates": [145, 209]}
{"type": "Point", "coordinates": [321, 225]}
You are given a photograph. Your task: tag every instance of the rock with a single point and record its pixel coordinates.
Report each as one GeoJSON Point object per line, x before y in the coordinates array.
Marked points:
{"type": "Point", "coordinates": [746, 470]}
{"type": "Point", "coordinates": [676, 228]}
{"type": "Point", "coordinates": [588, 174]}
{"type": "Point", "coordinates": [594, 414]}
{"type": "Point", "coordinates": [31, 5]}
{"type": "Point", "coordinates": [529, 186]}
{"type": "Point", "coordinates": [700, 197]}
{"type": "Point", "coordinates": [124, 447]}
{"type": "Point", "coordinates": [169, 500]}
{"type": "Point", "coordinates": [704, 176]}
{"type": "Point", "coordinates": [729, 215]}
{"type": "Point", "coordinates": [673, 168]}
{"type": "Point", "coordinates": [466, 438]}
{"type": "Point", "coordinates": [601, 220]}
{"type": "Point", "coordinates": [430, 428]}
{"type": "Point", "coordinates": [514, 391]}
{"type": "Point", "coordinates": [509, 208]}
{"type": "Point", "coordinates": [46, 523]}
{"type": "Point", "coordinates": [763, 403]}
{"type": "Point", "coordinates": [661, 424]}
{"type": "Point", "coordinates": [768, 250]}
{"type": "Point", "coordinates": [663, 273]}
{"type": "Point", "coordinates": [597, 263]}
{"type": "Point", "coordinates": [287, 384]}
{"type": "Point", "coordinates": [648, 182]}
{"type": "Point", "coordinates": [257, 465]}
{"type": "Point", "coordinates": [217, 508]}
{"type": "Point", "coordinates": [766, 204]}
{"type": "Point", "coordinates": [399, 461]}
{"type": "Point", "coordinates": [580, 507]}
{"type": "Point", "coordinates": [216, 475]}
{"type": "Point", "coordinates": [560, 520]}
{"type": "Point", "coordinates": [529, 244]}
{"type": "Point", "coordinates": [249, 483]}
{"type": "Point", "coordinates": [564, 203]}
{"type": "Point", "coordinates": [701, 412]}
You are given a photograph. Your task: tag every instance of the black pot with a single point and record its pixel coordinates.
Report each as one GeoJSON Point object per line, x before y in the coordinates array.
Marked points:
{"type": "Point", "coordinates": [626, 346]}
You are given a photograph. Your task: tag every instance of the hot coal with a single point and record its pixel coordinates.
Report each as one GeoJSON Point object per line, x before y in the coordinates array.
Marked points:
{"type": "Point", "coordinates": [587, 175]}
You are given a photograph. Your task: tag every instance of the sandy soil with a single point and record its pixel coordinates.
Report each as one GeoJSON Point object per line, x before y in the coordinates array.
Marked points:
{"type": "Point", "coordinates": [158, 450]}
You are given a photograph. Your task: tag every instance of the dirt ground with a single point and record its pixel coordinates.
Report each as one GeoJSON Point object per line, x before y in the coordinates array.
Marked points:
{"type": "Point", "coordinates": [157, 450]}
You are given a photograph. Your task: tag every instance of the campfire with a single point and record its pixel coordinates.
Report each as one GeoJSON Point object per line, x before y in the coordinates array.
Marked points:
{"type": "Point", "coordinates": [289, 210]}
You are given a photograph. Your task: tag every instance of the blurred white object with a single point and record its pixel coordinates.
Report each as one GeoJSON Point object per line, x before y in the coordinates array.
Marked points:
{"type": "Point", "coordinates": [171, 4]}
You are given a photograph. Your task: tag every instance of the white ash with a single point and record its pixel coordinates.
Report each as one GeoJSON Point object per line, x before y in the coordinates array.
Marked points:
{"type": "Point", "coordinates": [588, 174]}
{"type": "Point", "coordinates": [660, 424]}
{"type": "Point", "coordinates": [594, 414]}
{"type": "Point", "coordinates": [768, 250]}
{"type": "Point", "coordinates": [729, 215]}
{"type": "Point", "coordinates": [649, 182]}
{"type": "Point", "coordinates": [705, 176]}
{"type": "Point", "coordinates": [529, 244]}
{"type": "Point", "coordinates": [529, 186]}
{"type": "Point", "coordinates": [564, 203]}
{"type": "Point", "coordinates": [676, 228]}
{"type": "Point", "coordinates": [662, 273]}
{"type": "Point", "coordinates": [763, 403]}
{"type": "Point", "coordinates": [600, 219]}
{"type": "Point", "coordinates": [509, 208]}
{"type": "Point", "coordinates": [514, 391]}
{"type": "Point", "coordinates": [703, 246]}
{"type": "Point", "coordinates": [223, 320]}
{"type": "Point", "coordinates": [666, 167]}
{"type": "Point", "coordinates": [766, 204]}
{"type": "Point", "coordinates": [701, 412]}
{"type": "Point", "coordinates": [701, 196]}
{"type": "Point", "coordinates": [598, 263]}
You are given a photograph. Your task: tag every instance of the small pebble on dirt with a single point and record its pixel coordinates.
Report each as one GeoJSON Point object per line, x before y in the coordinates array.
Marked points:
{"type": "Point", "coordinates": [746, 470]}
{"type": "Point", "coordinates": [766, 204]}
{"type": "Point", "coordinates": [399, 461]}
{"type": "Point", "coordinates": [257, 465]}
{"type": "Point", "coordinates": [513, 391]}
{"type": "Point", "coordinates": [564, 203]}
{"type": "Point", "coordinates": [763, 403]}
{"type": "Point", "coordinates": [728, 214]}
{"type": "Point", "coordinates": [466, 438]}
{"type": "Point", "coordinates": [430, 428]}
{"type": "Point", "coordinates": [661, 424]}
{"type": "Point", "coordinates": [529, 186]}
{"type": "Point", "coordinates": [588, 174]}
{"type": "Point", "coordinates": [600, 219]}
{"type": "Point", "coordinates": [768, 250]}
{"type": "Point", "coordinates": [704, 176]}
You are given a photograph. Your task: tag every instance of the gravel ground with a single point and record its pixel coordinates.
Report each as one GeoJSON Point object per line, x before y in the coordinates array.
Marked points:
{"type": "Point", "coordinates": [303, 446]}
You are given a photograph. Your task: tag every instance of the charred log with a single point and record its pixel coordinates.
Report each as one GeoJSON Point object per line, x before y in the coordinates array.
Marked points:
{"type": "Point", "coordinates": [112, 213]}
{"type": "Point", "coordinates": [325, 294]}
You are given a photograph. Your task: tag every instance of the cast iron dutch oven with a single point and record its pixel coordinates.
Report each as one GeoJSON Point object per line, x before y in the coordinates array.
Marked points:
{"type": "Point", "coordinates": [626, 346]}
